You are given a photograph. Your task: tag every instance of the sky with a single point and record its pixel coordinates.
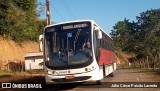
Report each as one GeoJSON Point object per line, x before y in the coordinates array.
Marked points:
{"type": "Point", "coordinates": [106, 13]}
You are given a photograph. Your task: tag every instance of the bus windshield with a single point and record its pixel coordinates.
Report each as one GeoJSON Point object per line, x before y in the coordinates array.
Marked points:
{"type": "Point", "coordinates": [67, 45]}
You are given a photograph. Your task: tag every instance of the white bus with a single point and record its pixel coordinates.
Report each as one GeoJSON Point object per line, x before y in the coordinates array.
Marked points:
{"type": "Point", "coordinates": [77, 51]}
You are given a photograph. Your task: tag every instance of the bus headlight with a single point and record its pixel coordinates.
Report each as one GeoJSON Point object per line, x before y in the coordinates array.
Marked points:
{"type": "Point", "coordinates": [89, 69]}
{"type": "Point", "coordinates": [49, 72]}
{"type": "Point", "coordinates": [86, 69]}
{"type": "Point", "coordinates": [53, 72]}
{"type": "Point", "coordinates": [47, 58]}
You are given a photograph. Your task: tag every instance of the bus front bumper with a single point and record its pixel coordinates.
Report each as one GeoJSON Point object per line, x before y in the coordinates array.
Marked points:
{"type": "Point", "coordinates": [93, 75]}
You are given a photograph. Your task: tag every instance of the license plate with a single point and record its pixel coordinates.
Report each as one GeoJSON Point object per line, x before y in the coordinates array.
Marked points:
{"type": "Point", "coordinates": [69, 77]}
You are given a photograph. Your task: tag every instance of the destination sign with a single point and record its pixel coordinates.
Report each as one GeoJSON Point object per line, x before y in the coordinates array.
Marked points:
{"type": "Point", "coordinates": [69, 26]}
{"type": "Point", "coordinates": [74, 26]}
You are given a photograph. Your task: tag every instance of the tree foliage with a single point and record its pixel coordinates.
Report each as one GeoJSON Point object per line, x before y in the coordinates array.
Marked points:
{"type": "Point", "coordinates": [141, 37]}
{"type": "Point", "coordinates": [19, 20]}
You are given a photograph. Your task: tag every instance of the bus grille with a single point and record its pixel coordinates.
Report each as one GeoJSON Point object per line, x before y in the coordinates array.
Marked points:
{"type": "Point", "coordinates": [71, 80]}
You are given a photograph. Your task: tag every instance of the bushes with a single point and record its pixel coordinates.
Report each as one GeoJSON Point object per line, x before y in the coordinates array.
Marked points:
{"type": "Point", "coordinates": [19, 20]}
{"type": "Point", "coordinates": [140, 37]}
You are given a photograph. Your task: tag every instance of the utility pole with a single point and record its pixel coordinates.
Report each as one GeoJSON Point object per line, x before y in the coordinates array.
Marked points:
{"type": "Point", "coordinates": [48, 16]}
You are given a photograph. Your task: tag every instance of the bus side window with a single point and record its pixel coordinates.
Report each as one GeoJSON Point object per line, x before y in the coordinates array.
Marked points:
{"type": "Point", "coordinates": [96, 43]}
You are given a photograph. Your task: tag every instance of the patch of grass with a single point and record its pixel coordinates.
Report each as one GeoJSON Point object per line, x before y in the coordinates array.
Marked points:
{"type": "Point", "coordinates": [35, 71]}
{"type": "Point", "coordinates": [4, 73]}
{"type": "Point", "coordinates": [123, 65]}
{"type": "Point", "coordinates": [30, 79]}
{"type": "Point", "coordinates": [20, 73]}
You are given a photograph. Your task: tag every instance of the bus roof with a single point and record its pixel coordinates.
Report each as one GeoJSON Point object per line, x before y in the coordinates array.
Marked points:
{"type": "Point", "coordinates": [78, 21]}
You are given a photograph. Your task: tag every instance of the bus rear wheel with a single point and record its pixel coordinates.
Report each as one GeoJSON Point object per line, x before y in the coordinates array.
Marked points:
{"type": "Point", "coordinates": [112, 75]}
{"type": "Point", "coordinates": [98, 82]}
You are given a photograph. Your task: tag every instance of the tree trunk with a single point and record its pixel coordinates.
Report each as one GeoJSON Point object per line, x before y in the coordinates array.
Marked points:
{"type": "Point", "coordinates": [147, 63]}
{"type": "Point", "coordinates": [158, 60]}
{"type": "Point", "coordinates": [140, 64]}
{"type": "Point", "coordinates": [154, 64]}
{"type": "Point", "coordinates": [144, 64]}
{"type": "Point", "coordinates": [154, 61]}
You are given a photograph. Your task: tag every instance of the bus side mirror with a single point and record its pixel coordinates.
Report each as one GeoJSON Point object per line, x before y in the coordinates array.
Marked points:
{"type": "Point", "coordinates": [98, 32]}
{"type": "Point", "coordinates": [99, 35]}
{"type": "Point", "coordinates": [41, 43]}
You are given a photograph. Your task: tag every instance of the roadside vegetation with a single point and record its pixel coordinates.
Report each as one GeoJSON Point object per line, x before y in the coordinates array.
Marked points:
{"type": "Point", "coordinates": [4, 73]}
{"type": "Point", "coordinates": [32, 72]}
{"type": "Point", "coordinates": [140, 37]}
{"type": "Point", "coordinates": [20, 20]}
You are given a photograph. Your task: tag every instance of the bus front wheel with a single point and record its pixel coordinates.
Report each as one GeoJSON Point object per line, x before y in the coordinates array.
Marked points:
{"type": "Point", "coordinates": [104, 70]}
{"type": "Point", "coordinates": [98, 82]}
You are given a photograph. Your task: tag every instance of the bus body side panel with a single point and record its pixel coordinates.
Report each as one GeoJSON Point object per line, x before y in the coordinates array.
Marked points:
{"type": "Point", "coordinates": [106, 57]}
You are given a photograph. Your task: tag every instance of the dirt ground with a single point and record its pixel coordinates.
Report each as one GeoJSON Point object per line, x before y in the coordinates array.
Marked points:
{"type": "Point", "coordinates": [10, 51]}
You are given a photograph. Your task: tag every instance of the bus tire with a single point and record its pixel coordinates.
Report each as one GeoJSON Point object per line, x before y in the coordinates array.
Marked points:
{"type": "Point", "coordinates": [104, 71]}
{"type": "Point", "coordinates": [112, 75]}
{"type": "Point", "coordinates": [98, 82]}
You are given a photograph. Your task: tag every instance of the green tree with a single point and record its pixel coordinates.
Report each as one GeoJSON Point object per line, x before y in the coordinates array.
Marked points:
{"type": "Point", "coordinates": [141, 37]}
{"type": "Point", "coordinates": [20, 20]}
{"type": "Point", "coordinates": [121, 33]}
{"type": "Point", "coordinates": [149, 22]}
